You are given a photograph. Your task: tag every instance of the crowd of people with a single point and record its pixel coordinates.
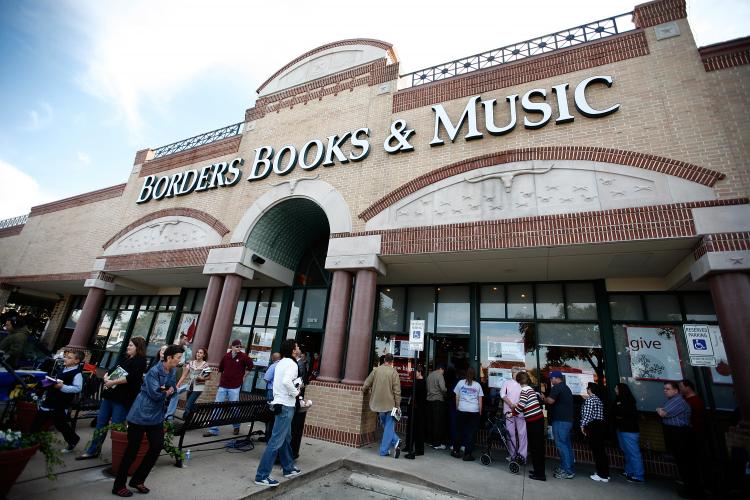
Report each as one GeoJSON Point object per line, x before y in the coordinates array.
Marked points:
{"type": "Point", "coordinates": [447, 411]}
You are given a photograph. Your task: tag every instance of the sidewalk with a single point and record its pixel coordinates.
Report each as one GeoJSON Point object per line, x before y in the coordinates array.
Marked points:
{"type": "Point", "coordinates": [228, 474]}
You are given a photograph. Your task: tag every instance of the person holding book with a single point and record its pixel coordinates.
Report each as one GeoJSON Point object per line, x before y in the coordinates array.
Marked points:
{"type": "Point", "coordinates": [121, 386]}
{"type": "Point", "coordinates": [58, 398]}
{"type": "Point", "coordinates": [194, 378]}
{"type": "Point", "coordinates": [146, 417]}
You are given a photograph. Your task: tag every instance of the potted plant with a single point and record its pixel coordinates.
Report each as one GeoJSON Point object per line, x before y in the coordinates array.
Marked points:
{"type": "Point", "coordinates": [25, 400]}
{"type": "Point", "coordinates": [119, 437]}
{"type": "Point", "coordinates": [17, 448]}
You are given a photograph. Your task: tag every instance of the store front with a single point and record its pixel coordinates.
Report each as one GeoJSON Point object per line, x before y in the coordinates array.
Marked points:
{"type": "Point", "coordinates": [557, 208]}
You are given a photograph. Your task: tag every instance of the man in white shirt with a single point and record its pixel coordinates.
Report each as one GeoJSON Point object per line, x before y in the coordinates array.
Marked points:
{"type": "Point", "coordinates": [286, 387]}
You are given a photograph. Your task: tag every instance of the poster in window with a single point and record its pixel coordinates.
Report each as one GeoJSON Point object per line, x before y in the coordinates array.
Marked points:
{"type": "Point", "coordinates": [496, 377]}
{"type": "Point", "coordinates": [263, 337]}
{"type": "Point", "coordinates": [505, 351]}
{"type": "Point", "coordinates": [188, 325]}
{"type": "Point", "coordinates": [721, 373]}
{"type": "Point", "coordinates": [653, 353]}
{"type": "Point", "coordinates": [260, 358]}
{"type": "Point", "coordinates": [577, 382]}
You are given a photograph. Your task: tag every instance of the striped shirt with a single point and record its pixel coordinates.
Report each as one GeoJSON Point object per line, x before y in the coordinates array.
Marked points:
{"type": "Point", "coordinates": [678, 412]}
{"type": "Point", "coordinates": [592, 409]}
{"type": "Point", "coordinates": [528, 405]}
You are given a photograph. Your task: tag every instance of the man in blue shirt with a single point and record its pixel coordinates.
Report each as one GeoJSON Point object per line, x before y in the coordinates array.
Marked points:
{"type": "Point", "coordinates": [680, 439]}
{"type": "Point", "coordinates": [268, 377]}
{"type": "Point", "coordinates": [560, 407]}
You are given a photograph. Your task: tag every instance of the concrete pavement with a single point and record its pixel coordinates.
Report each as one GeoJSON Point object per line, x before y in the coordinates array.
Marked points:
{"type": "Point", "coordinates": [217, 472]}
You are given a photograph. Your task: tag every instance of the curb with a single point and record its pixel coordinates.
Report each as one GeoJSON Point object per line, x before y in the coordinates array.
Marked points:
{"type": "Point", "coordinates": [396, 489]}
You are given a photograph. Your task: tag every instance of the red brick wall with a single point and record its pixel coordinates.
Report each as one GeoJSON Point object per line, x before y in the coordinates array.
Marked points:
{"type": "Point", "coordinates": [81, 199]}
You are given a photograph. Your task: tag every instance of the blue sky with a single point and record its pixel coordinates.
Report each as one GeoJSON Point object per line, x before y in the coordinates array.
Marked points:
{"type": "Point", "coordinates": [85, 84]}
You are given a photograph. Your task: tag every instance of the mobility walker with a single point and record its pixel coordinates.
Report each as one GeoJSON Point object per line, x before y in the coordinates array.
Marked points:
{"type": "Point", "coordinates": [499, 437]}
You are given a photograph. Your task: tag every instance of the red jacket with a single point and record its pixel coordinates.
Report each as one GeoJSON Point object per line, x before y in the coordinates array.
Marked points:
{"type": "Point", "coordinates": [233, 369]}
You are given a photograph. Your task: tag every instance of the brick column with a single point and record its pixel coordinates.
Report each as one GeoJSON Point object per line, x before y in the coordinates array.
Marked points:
{"type": "Point", "coordinates": [230, 292]}
{"type": "Point", "coordinates": [5, 291]}
{"type": "Point", "coordinates": [731, 296]}
{"type": "Point", "coordinates": [87, 321]}
{"type": "Point", "coordinates": [208, 312]}
{"type": "Point", "coordinates": [56, 322]}
{"type": "Point", "coordinates": [658, 12]}
{"type": "Point", "coordinates": [338, 314]}
{"type": "Point", "coordinates": [360, 333]}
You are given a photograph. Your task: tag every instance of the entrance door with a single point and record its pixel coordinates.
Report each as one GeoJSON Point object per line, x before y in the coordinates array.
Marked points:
{"type": "Point", "coordinates": [449, 351]}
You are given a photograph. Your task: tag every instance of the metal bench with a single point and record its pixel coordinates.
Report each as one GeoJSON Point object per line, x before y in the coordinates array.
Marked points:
{"type": "Point", "coordinates": [204, 415]}
{"type": "Point", "coordinates": [87, 405]}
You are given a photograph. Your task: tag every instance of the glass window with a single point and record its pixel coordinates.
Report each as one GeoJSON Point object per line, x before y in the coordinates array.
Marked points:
{"type": "Point", "coordinates": [103, 331]}
{"type": "Point", "coordinates": [644, 364]}
{"type": "Point", "coordinates": [252, 302]}
{"type": "Point", "coordinates": [492, 302]}
{"type": "Point", "coordinates": [75, 314]}
{"type": "Point", "coordinates": [699, 307]}
{"type": "Point", "coordinates": [291, 333]}
{"type": "Point", "coordinates": [142, 325]}
{"type": "Point", "coordinates": [520, 301]}
{"type": "Point", "coordinates": [189, 299]}
{"type": "Point", "coordinates": [662, 308]}
{"type": "Point", "coordinates": [315, 308]}
{"type": "Point", "coordinates": [580, 301]}
{"type": "Point", "coordinates": [159, 332]}
{"type": "Point", "coordinates": [453, 311]}
{"type": "Point", "coordinates": [188, 324]}
{"type": "Point", "coordinates": [242, 333]}
{"type": "Point", "coordinates": [296, 306]}
{"type": "Point", "coordinates": [580, 365]}
{"type": "Point", "coordinates": [275, 307]}
{"type": "Point", "coordinates": [240, 308]}
{"type": "Point", "coordinates": [569, 334]}
{"type": "Point", "coordinates": [421, 303]}
{"type": "Point", "coordinates": [199, 299]}
{"type": "Point", "coordinates": [119, 329]}
{"type": "Point", "coordinates": [626, 307]}
{"type": "Point", "coordinates": [549, 301]}
{"type": "Point", "coordinates": [391, 309]}
{"type": "Point", "coordinates": [504, 346]}
{"type": "Point", "coordinates": [264, 297]}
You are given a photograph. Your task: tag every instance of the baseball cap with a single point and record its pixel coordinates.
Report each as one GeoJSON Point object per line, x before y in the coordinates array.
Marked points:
{"type": "Point", "coordinates": [236, 342]}
{"type": "Point", "coordinates": [556, 374]}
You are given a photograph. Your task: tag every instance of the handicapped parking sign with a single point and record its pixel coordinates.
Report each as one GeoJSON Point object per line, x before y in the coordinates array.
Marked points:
{"type": "Point", "coordinates": [700, 349]}
{"type": "Point", "coordinates": [700, 345]}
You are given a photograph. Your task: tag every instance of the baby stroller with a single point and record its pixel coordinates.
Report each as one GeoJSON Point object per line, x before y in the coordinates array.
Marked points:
{"type": "Point", "coordinates": [499, 437]}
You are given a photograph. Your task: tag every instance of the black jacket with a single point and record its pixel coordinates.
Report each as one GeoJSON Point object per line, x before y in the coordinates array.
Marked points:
{"type": "Point", "coordinates": [626, 415]}
{"type": "Point", "coordinates": [126, 393]}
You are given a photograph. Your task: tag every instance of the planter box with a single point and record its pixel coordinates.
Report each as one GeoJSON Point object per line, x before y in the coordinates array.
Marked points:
{"type": "Point", "coordinates": [12, 463]}
{"type": "Point", "coordinates": [119, 445]}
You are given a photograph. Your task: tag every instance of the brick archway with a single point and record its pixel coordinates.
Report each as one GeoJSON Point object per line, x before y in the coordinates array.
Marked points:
{"type": "Point", "coordinates": [655, 163]}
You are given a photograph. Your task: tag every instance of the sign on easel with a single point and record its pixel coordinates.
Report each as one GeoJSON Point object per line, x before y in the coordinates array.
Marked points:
{"type": "Point", "coordinates": [416, 335]}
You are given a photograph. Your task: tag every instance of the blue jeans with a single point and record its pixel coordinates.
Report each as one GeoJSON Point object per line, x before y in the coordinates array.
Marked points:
{"type": "Point", "coordinates": [173, 400]}
{"type": "Point", "coordinates": [224, 394]}
{"type": "Point", "coordinates": [191, 399]}
{"type": "Point", "coordinates": [561, 432]}
{"type": "Point", "coordinates": [280, 443]}
{"type": "Point", "coordinates": [390, 438]}
{"type": "Point", "coordinates": [107, 410]}
{"type": "Point", "coordinates": [632, 451]}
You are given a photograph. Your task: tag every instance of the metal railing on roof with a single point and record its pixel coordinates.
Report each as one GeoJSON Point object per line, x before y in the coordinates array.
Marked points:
{"type": "Point", "coordinates": [199, 140]}
{"type": "Point", "coordinates": [14, 221]}
{"type": "Point", "coordinates": [548, 43]}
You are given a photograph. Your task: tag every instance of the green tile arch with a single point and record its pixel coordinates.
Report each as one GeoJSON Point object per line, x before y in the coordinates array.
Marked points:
{"type": "Point", "coordinates": [287, 230]}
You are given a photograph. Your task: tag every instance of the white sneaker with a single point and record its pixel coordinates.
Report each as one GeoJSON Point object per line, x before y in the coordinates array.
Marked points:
{"type": "Point", "coordinates": [293, 472]}
{"type": "Point", "coordinates": [440, 447]}
{"type": "Point", "coordinates": [596, 477]}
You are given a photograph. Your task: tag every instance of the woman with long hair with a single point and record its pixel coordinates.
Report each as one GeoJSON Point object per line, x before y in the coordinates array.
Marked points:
{"type": "Point", "coordinates": [628, 433]}
{"type": "Point", "coordinates": [196, 375]}
{"type": "Point", "coordinates": [594, 428]}
{"type": "Point", "coordinates": [118, 393]}
{"type": "Point", "coordinates": [469, 407]}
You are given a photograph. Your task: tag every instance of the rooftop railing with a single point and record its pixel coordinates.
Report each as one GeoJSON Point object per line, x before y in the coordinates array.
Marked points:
{"type": "Point", "coordinates": [548, 43]}
{"type": "Point", "coordinates": [14, 221]}
{"type": "Point", "coordinates": [199, 140]}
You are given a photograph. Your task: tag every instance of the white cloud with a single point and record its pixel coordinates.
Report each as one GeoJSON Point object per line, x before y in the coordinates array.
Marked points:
{"type": "Point", "coordinates": [22, 192]}
{"type": "Point", "coordinates": [39, 118]}
{"type": "Point", "coordinates": [84, 158]}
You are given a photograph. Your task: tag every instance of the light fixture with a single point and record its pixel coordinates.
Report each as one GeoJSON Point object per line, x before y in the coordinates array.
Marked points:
{"type": "Point", "coordinates": [523, 295]}
{"type": "Point", "coordinates": [494, 289]}
{"type": "Point", "coordinates": [257, 259]}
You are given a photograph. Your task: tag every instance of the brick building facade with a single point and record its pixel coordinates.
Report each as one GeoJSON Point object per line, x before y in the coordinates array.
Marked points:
{"type": "Point", "coordinates": [576, 199]}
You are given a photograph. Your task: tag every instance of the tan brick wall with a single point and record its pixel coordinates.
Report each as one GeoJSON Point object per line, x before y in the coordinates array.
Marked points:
{"type": "Point", "coordinates": [340, 413]}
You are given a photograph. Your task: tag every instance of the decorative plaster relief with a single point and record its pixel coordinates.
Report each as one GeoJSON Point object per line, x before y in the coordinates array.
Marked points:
{"type": "Point", "coordinates": [532, 188]}
{"type": "Point", "coordinates": [166, 233]}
